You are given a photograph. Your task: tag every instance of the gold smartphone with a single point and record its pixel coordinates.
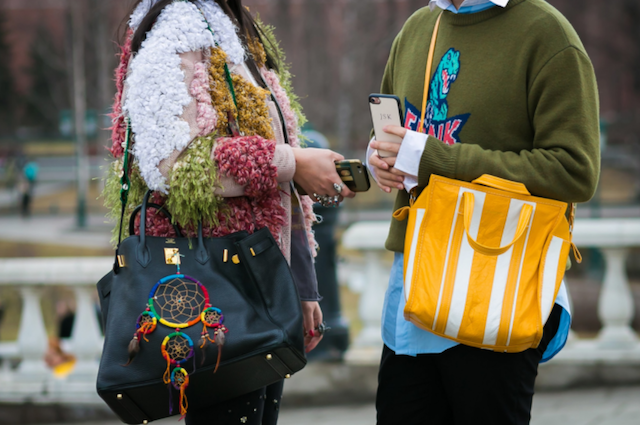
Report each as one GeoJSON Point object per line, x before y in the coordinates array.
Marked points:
{"type": "Point", "coordinates": [352, 172]}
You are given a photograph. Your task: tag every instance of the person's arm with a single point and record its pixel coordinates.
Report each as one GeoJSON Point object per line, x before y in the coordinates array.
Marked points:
{"type": "Point", "coordinates": [241, 160]}
{"type": "Point", "coordinates": [564, 163]}
{"type": "Point", "coordinates": [381, 168]}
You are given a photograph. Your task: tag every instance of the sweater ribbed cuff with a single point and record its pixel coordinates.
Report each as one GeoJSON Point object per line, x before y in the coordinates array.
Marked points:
{"type": "Point", "coordinates": [285, 161]}
{"type": "Point", "coordinates": [437, 158]}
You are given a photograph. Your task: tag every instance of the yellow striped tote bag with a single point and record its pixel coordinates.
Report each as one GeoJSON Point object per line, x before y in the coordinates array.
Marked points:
{"type": "Point", "coordinates": [484, 261]}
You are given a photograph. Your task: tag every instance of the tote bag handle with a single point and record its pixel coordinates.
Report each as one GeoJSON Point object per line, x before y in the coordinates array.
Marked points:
{"type": "Point", "coordinates": [467, 212]}
{"type": "Point", "coordinates": [427, 72]}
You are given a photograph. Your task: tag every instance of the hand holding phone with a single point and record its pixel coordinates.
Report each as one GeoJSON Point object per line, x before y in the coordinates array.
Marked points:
{"type": "Point", "coordinates": [353, 174]}
{"type": "Point", "coordinates": [385, 110]}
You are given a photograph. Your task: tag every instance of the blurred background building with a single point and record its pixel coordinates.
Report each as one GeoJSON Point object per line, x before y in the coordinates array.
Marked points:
{"type": "Point", "coordinates": [337, 48]}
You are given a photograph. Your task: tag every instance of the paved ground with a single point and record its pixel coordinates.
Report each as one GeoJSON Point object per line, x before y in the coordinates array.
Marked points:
{"type": "Point", "coordinates": [599, 406]}
{"type": "Point", "coordinates": [596, 406]}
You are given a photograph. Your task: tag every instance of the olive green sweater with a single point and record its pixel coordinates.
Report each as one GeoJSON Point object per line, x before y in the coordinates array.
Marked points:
{"type": "Point", "coordinates": [513, 94]}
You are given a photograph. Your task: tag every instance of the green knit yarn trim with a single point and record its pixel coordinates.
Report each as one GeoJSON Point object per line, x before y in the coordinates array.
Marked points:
{"type": "Point", "coordinates": [111, 196]}
{"type": "Point", "coordinates": [275, 51]}
{"type": "Point", "coordinates": [192, 182]}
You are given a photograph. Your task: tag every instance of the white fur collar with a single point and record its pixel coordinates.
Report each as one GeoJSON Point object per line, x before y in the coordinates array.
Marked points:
{"type": "Point", "coordinates": [156, 93]}
{"type": "Point", "coordinates": [225, 33]}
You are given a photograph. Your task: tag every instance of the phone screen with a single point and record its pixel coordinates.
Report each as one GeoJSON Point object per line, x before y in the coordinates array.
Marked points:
{"type": "Point", "coordinates": [385, 110]}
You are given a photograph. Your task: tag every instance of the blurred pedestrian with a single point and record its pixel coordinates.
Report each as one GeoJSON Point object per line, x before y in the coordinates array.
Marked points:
{"type": "Point", "coordinates": [26, 186]}
{"type": "Point", "coordinates": [513, 95]}
{"type": "Point", "coordinates": [336, 342]}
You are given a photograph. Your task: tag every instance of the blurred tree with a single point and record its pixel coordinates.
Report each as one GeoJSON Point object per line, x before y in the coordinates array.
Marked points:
{"type": "Point", "coordinates": [338, 50]}
{"type": "Point", "coordinates": [632, 12]}
{"type": "Point", "coordinates": [49, 89]}
{"type": "Point", "coordinates": [7, 88]}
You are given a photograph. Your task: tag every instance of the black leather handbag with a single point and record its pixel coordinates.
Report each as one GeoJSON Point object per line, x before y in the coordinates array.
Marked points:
{"type": "Point", "coordinates": [192, 307]}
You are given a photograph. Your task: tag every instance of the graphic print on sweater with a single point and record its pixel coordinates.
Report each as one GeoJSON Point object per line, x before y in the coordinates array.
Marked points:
{"type": "Point", "coordinates": [436, 122]}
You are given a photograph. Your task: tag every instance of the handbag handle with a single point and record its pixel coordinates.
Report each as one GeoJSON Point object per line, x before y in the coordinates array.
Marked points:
{"type": "Point", "coordinates": [466, 208]}
{"type": "Point", "coordinates": [142, 252]}
{"type": "Point", "coordinates": [502, 184]}
{"type": "Point", "coordinates": [158, 207]}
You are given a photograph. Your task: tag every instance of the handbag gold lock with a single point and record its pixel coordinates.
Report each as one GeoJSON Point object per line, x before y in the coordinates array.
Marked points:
{"type": "Point", "coordinates": [172, 256]}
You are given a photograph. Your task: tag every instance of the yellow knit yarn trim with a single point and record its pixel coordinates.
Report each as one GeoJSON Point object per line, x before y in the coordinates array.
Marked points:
{"type": "Point", "coordinates": [257, 51]}
{"type": "Point", "coordinates": [252, 114]}
{"type": "Point", "coordinates": [220, 95]}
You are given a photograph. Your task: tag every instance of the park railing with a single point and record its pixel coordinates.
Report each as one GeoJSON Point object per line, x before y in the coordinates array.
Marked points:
{"type": "Point", "coordinates": [612, 356]}
{"type": "Point", "coordinates": [24, 375]}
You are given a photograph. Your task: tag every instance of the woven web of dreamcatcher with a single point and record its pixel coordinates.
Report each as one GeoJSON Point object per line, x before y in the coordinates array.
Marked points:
{"type": "Point", "coordinates": [179, 300]}
{"type": "Point", "coordinates": [212, 317]}
{"type": "Point", "coordinates": [178, 348]}
{"type": "Point", "coordinates": [179, 378]}
{"type": "Point", "coordinates": [145, 321]}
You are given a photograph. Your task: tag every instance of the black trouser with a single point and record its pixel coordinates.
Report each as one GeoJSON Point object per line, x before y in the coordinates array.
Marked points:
{"type": "Point", "coordinates": [460, 386]}
{"type": "Point", "coordinates": [260, 407]}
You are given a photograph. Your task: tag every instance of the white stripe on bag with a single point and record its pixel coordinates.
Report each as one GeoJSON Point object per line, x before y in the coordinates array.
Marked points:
{"type": "Point", "coordinates": [501, 275]}
{"type": "Point", "coordinates": [465, 261]}
{"type": "Point", "coordinates": [412, 255]}
{"type": "Point", "coordinates": [524, 253]}
{"type": "Point", "coordinates": [446, 258]}
{"type": "Point", "coordinates": [550, 276]}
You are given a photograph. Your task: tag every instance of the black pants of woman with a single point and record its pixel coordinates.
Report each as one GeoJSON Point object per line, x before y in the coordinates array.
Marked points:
{"type": "Point", "coordinates": [260, 407]}
{"type": "Point", "coordinates": [460, 386]}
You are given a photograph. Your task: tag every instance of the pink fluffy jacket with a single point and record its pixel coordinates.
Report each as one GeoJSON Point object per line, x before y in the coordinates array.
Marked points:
{"type": "Point", "coordinates": [254, 172]}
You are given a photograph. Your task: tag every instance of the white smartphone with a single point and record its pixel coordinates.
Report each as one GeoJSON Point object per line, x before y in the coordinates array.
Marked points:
{"type": "Point", "coordinates": [385, 110]}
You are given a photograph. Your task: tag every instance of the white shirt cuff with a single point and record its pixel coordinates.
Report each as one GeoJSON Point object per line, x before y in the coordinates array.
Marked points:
{"type": "Point", "coordinates": [409, 156]}
{"type": "Point", "coordinates": [370, 152]}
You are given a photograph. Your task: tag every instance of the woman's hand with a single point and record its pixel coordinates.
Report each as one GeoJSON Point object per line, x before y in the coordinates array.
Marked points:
{"type": "Point", "coordinates": [312, 318]}
{"type": "Point", "coordinates": [388, 177]}
{"type": "Point", "coordinates": [316, 172]}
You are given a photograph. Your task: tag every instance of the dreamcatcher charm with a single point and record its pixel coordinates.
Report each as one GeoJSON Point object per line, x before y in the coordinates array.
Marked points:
{"type": "Point", "coordinates": [212, 318]}
{"type": "Point", "coordinates": [146, 324]}
{"type": "Point", "coordinates": [179, 381]}
{"type": "Point", "coordinates": [179, 301]}
{"type": "Point", "coordinates": [177, 348]}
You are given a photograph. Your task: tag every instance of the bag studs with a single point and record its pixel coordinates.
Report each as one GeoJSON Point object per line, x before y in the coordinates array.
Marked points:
{"type": "Point", "coordinates": [119, 396]}
{"type": "Point", "coordinates": [145, 422]}
{"type": "Point", "coordinates": [225, 255]}
{"type": "Point", "coordinates": [269, 356]}
{"type": "Point", "coordinates": [235, 259]}
{"type": "Point", "coordinates": [287, 376]}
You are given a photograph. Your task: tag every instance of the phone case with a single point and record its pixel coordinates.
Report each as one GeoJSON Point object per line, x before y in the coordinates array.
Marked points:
{"type": "Point", "coordinates": [354, 175]}
{"type": "Point", "coordinates": [385, 110]}
{"type": "Point", "coordinates": [352, 172]}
